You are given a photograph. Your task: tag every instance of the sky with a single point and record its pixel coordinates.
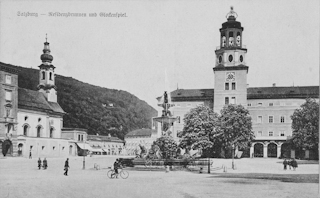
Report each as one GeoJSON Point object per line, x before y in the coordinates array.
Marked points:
{"type": "Point", "coordinates": [153, 46]}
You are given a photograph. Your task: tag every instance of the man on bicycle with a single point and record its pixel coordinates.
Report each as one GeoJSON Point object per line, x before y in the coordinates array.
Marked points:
{"type": "Point", "coordinates": [116, 166]}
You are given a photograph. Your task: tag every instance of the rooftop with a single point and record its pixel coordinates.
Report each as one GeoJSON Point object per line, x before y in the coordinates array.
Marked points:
{"type": "Point", "coordinates": [34, 100]}
{"type": "Point", "coordinates": [252, 93]}
{"type": "Point", "coordinates": [141, 133]}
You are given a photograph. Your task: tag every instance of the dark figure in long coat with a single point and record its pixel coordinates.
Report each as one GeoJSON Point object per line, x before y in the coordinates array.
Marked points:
{"type": "Point", "coordinates": [290, 164]}
{"type": "Point", "coordinates": [45, 163]}
{"type": "Point", "coordinates": [294, 164]}
{"type": "Point", "coordinates": [66, 167]}
{"type": "Point", "coordinates": [285, 163]}
{"type": "Point", "coordinates": [39, 163]}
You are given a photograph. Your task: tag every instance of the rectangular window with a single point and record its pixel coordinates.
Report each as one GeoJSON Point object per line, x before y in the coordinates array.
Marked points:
{"type": "Point", "coordinates": [8, 95]}
{"type": "Point", "coordinates": [282, 133]}
{"type": "Point", "coordinates": [270, 119]}
{"type": "Point", "coordinates": [233, 100]}
{"type": "Point", "coordinates": [260, 104]}
{"type": "Point", "coordinates": [8, 79]}
{"type": "Point", "coordinates": [270, 133]}
{"type": "Point", "coordinates": [282, 119]}
{"type": "Point", "coordinates": [270, 104]}
{"type": "Point", "coordinates": [259, 133]}
{"type": "Point", "coordinates": [259, 119]}
{"type": "Point", "coordinates": [226, 100]}
{"type": "Point", "coordinates": [226, 87]}
{"type": "Point", "coordinates": [233, 86]}
{"type": "Point", "coordinates": [249, 104]}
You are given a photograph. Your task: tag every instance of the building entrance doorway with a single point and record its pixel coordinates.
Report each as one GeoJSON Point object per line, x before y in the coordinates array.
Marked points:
{"type": "Point", "coordinates": [272, 150]}
{"type": "Point", "coordinates": [258, 150]}
{"type": "Point", "coordinates": [20, 149]}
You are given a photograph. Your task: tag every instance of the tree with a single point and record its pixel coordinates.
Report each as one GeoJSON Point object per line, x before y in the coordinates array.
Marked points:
{"type": "Point", "coordinates": [167, 146]}
{"type": "Point", "coordinates": [235, 127]}
{"type": "Point", "coordinates": [305, 126]}
{"type": "Point", "coordinates": [199, 129]}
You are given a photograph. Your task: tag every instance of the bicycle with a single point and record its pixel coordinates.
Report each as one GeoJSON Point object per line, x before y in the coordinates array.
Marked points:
{"type": "Point", "coordinates": [123, 173]}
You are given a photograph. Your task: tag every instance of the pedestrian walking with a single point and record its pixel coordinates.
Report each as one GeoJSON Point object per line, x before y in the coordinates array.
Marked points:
{"type": "Point", "coordinates": [285, 163]}
{"type": "Point", "coordinates": [290, 163]}
{"type": "Point", "coordinates": [66, 167]}
{"type": "Point", "coordinates": [39, 163]}
{"type": "Point", "coordinates": [294, 164]}
{"type": "Point", "coordinates": [30, 155]}
{"type": "Point", "coordinates": [45, 163]}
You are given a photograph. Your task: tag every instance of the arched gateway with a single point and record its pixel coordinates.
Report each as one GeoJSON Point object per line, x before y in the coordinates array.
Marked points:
{"type": "Point", "coordinates": [266, 149]}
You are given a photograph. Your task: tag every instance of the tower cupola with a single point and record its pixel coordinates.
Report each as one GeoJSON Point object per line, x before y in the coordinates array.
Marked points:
{"type": "Point", "coordinates": [231, 31]}
{"type": "Point", "coordinates": [47, 76]}
{"type": "Point", "coordinates": [46, 57]}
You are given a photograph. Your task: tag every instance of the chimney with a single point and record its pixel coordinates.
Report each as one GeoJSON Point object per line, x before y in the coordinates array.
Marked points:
{"type": "Point", "coordinates": [247, 85]}
{"type": "Point", "coordinates": [274, 85]}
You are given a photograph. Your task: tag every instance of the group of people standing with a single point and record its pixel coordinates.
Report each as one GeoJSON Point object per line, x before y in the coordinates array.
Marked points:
{"type": "Point", "coordinates": [291, 163]}
{"type": "Point", "coordinates": [44, 164]}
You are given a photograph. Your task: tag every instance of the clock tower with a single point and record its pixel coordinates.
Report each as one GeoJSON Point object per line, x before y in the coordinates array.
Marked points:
{"type": "Point", "coordinates": [230, 71]}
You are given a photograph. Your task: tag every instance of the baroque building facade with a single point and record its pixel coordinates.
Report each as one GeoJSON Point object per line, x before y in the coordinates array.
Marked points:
{"type": "Point", "coordinates": [270, 107]}
{"type": "Point", "coordinates": [31, 122]}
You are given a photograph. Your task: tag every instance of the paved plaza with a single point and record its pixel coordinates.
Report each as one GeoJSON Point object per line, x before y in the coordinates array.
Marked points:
{"type": "Point", "coordinates": [252, 178]}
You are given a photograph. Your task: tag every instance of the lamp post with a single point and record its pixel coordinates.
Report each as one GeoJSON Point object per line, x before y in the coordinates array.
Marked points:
{"type": "Point", "coordinates": [209, 164]}
{"type": "Point", "coordinates": [84, 156]}
{"type": "Point", "coordinates": [233, 156]}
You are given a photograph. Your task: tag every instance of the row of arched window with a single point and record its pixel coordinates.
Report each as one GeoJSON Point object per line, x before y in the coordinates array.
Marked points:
{"type": "Point", "coordinates": [39, 129]}
{"type": "Point", "coordinates": [44, 75]}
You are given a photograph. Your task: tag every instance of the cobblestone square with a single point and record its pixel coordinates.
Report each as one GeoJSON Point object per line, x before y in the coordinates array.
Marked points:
{"type": "Point", "coordinates": [252, 178]}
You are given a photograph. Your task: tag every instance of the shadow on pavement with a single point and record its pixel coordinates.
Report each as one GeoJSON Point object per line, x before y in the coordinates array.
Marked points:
{"type": "Point", "coordinates": [294, 178]}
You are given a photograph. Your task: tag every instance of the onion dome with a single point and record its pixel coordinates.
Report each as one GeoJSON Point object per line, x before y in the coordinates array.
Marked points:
{"type": "Point", "coordinates": [46, 56]}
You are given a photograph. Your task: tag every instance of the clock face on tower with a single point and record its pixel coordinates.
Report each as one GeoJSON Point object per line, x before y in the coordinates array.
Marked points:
{"type": "Point", "coordinates": [230, 76]}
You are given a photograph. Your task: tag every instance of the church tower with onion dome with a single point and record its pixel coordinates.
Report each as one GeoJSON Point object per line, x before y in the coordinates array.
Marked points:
{"type": "Point", "coordinates": [47, 76]}
{"type": "Point", "coordinates": [230, 71]}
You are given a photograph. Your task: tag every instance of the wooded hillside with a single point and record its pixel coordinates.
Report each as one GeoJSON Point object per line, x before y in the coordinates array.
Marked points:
{"type": "Point", "coordinates": [100, 110]}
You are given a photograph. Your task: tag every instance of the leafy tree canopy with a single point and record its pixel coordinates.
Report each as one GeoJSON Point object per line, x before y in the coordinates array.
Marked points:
{"type": "Point", "coordinates": [204, 129]}
{"type": "Point", "coordinates": [199, 128]}
{"type": "Point", "coordinates": [235, 126]}
{"type": "Point", "coordinates": [305, 125]}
